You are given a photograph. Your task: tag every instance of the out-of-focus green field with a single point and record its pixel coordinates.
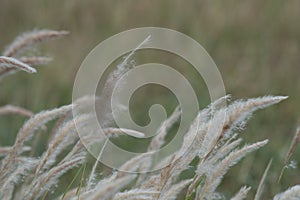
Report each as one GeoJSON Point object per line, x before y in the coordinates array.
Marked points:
{"type": "Point", "coordinates": [255, 44]}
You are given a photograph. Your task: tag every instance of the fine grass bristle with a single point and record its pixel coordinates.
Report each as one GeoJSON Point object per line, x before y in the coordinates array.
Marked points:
{"type": "Point", "coordinates": [293, 146]}
{"type": "Point", "coordinates": [33, 61]}
{"type": "Point", "coordinates": [10, 109]}
{"type": "Point", "coordinates": [262, 182]}
{"type": "Point", "coordinates": [242, 194]}
{"type": "Point", "coordinates": [30, 39]}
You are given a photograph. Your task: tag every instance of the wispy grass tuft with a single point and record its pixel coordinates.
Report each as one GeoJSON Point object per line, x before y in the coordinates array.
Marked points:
{"type": "Point", "coordinates": [212, 139]}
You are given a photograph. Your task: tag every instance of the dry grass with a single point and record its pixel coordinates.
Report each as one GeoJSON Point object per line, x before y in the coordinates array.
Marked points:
{"type": "Point", "coordinates": [11, 60]}
{"type": "Point", "coordinates": [211, 138]}
{"type": "Point", "coordinates": [293, 146]}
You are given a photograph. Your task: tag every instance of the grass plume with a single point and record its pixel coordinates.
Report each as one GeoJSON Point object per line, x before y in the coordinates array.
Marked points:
{"type": "Point", "coordinates": [211, 139]}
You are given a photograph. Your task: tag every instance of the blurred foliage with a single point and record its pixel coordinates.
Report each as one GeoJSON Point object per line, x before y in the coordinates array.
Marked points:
{"type": "Point", "coordinates": [255, 44]}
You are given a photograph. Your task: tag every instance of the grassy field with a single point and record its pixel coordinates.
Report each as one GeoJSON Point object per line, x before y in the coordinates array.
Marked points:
{"type": "Point", "coordinates": [255, 44]}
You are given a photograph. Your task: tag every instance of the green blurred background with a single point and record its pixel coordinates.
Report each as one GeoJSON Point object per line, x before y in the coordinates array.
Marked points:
{"type": "Point", "coordinates": [255, 44]}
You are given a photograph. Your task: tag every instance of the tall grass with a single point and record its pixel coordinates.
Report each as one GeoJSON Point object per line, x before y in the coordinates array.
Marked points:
{"type": "Point", "coordinates": [212, 139]}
